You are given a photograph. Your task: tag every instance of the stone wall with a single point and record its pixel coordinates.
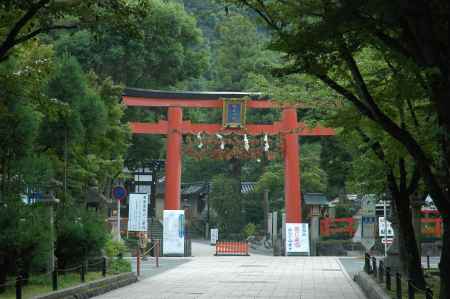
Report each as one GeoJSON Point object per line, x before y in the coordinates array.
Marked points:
{"type": "Point", "coordinates": [370, 287]}
{"type": "Point", "coordinates": [91, 289]}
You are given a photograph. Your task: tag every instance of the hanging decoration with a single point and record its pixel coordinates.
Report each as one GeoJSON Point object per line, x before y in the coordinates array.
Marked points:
{"type": "Point", "coordinates": [246, 145]}
{"type": "Point", "coordinates": [222, 144]}
{"type": "Point", "coordinates": [266, 143]}
{"type": "Point", "coordinates": [232, 146]}
{"type": "Point", "coordinates": [199, 138]}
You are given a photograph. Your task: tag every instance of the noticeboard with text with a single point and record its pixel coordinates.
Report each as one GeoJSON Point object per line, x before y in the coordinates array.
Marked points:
{"type": "Point", "coordinates": [138, 212]}
{"type": "Point", "coordinates": [297, 238]}
{"type": "Point", "coordinates": [173, 232]}
{"type": "Point", "coordinates": [214, 235]}
{"type": "Point", "coordinates": [234, 113]}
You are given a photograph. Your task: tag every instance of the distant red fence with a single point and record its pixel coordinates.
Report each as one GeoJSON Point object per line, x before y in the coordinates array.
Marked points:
{"type": "Point", "coordinates": [431, 227]}
{"type": "Point", "coordinates": [335, 226]}
{"type": "Point", "coordinates": [231, 248]}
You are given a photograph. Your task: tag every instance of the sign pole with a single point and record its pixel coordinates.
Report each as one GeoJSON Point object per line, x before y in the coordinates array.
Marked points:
{"type": "Point", "coordinates": [119, 193]}
{"type": "Point", "coordinates": [118, 220]}
{"type": "Point", "coordinates": [385, 228]}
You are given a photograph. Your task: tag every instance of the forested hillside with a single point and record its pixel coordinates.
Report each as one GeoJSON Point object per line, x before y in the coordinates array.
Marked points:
{"type": "Point", "coordinates": [64, 129]}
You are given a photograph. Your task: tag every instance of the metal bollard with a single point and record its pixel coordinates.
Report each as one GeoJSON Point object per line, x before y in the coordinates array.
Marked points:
{"type": "Point", "coordinates": [367, 263]}
{"type": "Point", "coordinates": [138, 263]}
{"type": "Point", "coordinates": [398, 285]}
{"type": "Point", "coordinates": [380, 271]}
{"type": "Point", "coordinates": [55, 280]}
{"type": "Point", "coordinates": [374, 266]}
{"type": "Point", "coordinates": [388, 278]}
{"type": "Point", "coordinates": [157, 252]}
{"type": "Point", "coordinates": [19, 287]}
{"type": "Point", "coordinates": [104, 266]}
{"type": "Point", "coordinates": [411, 290]}
{"type": "Point", "coordinates": [428, 262]}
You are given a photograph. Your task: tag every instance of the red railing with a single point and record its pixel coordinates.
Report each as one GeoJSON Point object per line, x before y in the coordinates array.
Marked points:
{"type": "Point", "coordinates": [333, 226]}
{"type": "Point", "coordinates": [329, 227]}
{"type": "Point", "coordinates": [431, 227]}
{"type": "Point", "coordinates": [232, 248]}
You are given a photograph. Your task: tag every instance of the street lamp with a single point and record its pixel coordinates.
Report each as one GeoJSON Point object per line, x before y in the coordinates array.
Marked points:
{"type": "Point", "coordinates": [49, 200]}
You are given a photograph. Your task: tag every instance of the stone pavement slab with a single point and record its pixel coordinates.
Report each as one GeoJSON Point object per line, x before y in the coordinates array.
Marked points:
{"type": "Point", "coordinates": [255, 276]}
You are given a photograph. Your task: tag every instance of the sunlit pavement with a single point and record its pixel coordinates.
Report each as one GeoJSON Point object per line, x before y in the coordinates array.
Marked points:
{"type": "Point", "coordinates": [255, 276]}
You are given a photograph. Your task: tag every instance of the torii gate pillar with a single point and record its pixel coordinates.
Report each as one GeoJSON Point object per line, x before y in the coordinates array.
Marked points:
{"type": "Point", "coordinates": [292, 194]}
{"type": "Point", "coordinates": [173, 160]}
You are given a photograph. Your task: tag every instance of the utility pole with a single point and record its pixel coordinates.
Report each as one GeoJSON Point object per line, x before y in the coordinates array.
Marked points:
{"type": "Point", "coordinates": [266, 209]}
{"type": "Point", "coordinates": [385, 228]}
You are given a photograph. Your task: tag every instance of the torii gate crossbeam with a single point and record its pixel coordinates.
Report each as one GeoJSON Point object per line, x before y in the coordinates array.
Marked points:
{"type": "Point", "coordinates": [175, 127]}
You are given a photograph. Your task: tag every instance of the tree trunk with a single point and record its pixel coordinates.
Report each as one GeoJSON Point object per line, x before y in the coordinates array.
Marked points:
{"type": "Point", "coordinates": [3, 272]}
{"type": "Point", "coordinates": [445, 260]}
{"type": "Point", "coordinates": [408, 242]}
{"type": "Point", "coordinates": [399, 266]}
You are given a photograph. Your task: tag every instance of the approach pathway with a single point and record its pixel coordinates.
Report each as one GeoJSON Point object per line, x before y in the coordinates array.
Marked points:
{"type": "Point", "coordinates": [256, 276]}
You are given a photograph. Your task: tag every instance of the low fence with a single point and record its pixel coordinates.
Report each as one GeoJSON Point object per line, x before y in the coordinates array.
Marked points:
{"type": "Point", "coordinates": [82, 268]}
{"type": "Point", "coordinates": [383, 275]}
{"type": "Point", "coordinates": [155, 249]}
{"type": "Point", "coordinates": [331, 227]}
{"type": "Point", "coordinates": [232, 248]}
{"type": "Point", "coordinates": [334, 226]}
{"type": "Point", "coordinates": [431, 227]}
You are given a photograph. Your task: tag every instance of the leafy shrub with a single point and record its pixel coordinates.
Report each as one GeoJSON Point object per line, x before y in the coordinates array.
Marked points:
{"type": "Point", "coordinates": [249, 230]}
{"type": "Point", "coordinates": [119, 265]}
{"type": "Point", "coordinates": [114, 248]}
{"type": "Point", "coordinates": [80, 234]}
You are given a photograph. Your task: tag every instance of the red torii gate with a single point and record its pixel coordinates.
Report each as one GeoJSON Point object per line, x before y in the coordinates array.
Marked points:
{"type": "Point", "coordinates": [175, 127]}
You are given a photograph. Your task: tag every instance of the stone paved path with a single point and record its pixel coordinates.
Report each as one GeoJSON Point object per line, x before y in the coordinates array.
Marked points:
{"type": "Point", "coordinates": [255, 276]}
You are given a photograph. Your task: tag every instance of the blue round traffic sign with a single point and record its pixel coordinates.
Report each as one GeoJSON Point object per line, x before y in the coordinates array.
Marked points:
{"type": "Point", "coordinates": [119, 192]}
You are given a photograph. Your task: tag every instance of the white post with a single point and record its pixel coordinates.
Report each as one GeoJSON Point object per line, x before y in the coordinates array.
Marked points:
{"type": "Point", "coordinates": [385, 228]}
{"type": "Point", "coordinates": [118, 221]}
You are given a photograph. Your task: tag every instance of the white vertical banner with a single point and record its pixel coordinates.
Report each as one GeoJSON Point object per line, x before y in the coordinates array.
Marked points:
{"type": "Point", "coordinates": [214, 235]}
{"type": "Point", "coordinates": [297, 238]}
{"type": "Point", "coordinates": [173, 232]}
{"type": "Point", "coordinates": [138, 212]}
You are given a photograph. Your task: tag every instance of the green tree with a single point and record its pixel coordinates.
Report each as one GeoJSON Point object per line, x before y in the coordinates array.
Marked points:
{"type": "Point", "coordinates": [328, 41]}
{"type": "Point", "coordinates": [170, 51]}
{"type": "Point", "coordinates": [226, 203]}
{"type": "Point", "coordinates": [24, 20]}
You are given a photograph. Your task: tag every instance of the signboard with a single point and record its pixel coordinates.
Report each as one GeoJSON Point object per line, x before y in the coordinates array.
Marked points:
{"type": "Point", "coordinates": [233, 113]}
{"type": "Point", "coordinates": [173, 232]}
{"type": "Point", "coordinates": [385, 228]}
{"type": "Point", "coordinates": [368, 205]}
{"type": "Point", "coordinates": [368, 227]}
{"type": "Point", "coordinates": [143, 189]}
{"type": "Point", "coordinates": [137, 212]}
{"type": "Point", "coordinates": [119, 193]}
{"type": "Point", "coordinates": [387, 241]}
{"type": "Point", "coordinates": [297, 238]}
{"type": "Point", "coordinates": [214, 235]}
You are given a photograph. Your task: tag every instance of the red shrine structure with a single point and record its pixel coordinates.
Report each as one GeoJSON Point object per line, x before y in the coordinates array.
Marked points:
{"type": "Point", "coordinates": [234, 105]}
